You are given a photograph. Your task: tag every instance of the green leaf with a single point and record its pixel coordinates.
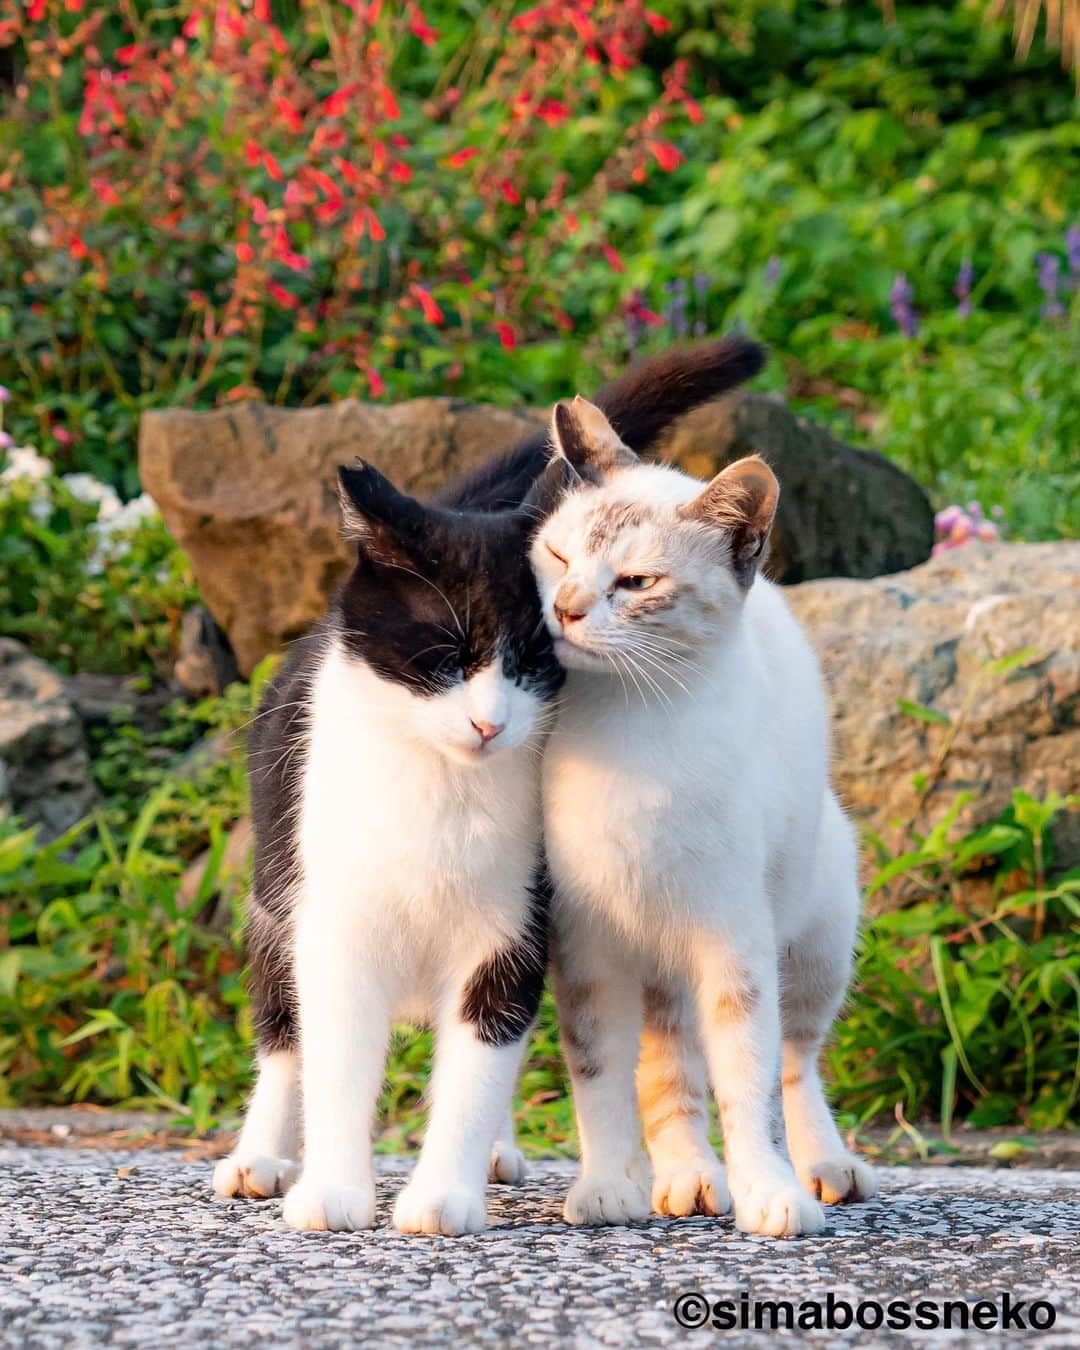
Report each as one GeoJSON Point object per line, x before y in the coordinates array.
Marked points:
{"type": "Point", "coordinates": [922, 713]}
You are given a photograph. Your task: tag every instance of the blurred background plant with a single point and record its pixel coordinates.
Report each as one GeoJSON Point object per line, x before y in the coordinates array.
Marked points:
{"type": "Point", "coordinates": [304, 200]}
{"type": "Point", "coordinates": [310, 199]}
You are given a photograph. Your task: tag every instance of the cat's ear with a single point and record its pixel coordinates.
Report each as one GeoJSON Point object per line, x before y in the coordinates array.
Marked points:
{"type": "Point", "coordinates": [374, 513]}
{"type": "Point", "coordinates": [543, 498]}
{"type": "Point", "coordinates": [741, 501]}
{"type": "Point", "coordinates": [581, 434]}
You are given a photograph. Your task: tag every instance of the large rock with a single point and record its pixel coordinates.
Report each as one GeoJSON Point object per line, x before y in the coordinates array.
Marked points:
{"type": "Point", "coordinates": [248, 492]}
{"type": "Point", "coordinates": [930, 636]}
{"type": "Point", "coordinates": [44, 767]}
{"type": "Point", "coordinates": [843, 512]}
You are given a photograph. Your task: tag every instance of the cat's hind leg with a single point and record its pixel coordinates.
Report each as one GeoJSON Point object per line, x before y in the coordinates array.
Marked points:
{"type": "Point", "coordinates": [672, 1082]}
{"type": "Point", "coordinates": [814, 975]}
{"type": "Point", "coordinates": [263, 1162]}
{"type": "Point", "coordinates": [507, 1160]}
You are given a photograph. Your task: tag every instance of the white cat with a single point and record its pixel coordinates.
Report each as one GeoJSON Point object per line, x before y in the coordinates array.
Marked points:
{"type": "Point", "coordinates": [705, 890]}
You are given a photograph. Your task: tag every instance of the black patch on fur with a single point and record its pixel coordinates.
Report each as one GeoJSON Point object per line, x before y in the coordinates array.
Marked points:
{"type": "Point", "coordinates": [276, 758]}
{"type": "Point", "coordinates": [438, 594]}
{"type": "Point", "coordinates": [502, 996]}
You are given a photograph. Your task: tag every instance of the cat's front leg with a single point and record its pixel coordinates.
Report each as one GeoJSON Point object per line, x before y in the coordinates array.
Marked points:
{"type": "Point", "coordinates": [739, 1007]}
{"type": "Point", "coordinates": [472, 1083]}
{"type": "Point", "coordinates": [344, 1029]}
{"type": "Point", "coordinates": [599, 1000]}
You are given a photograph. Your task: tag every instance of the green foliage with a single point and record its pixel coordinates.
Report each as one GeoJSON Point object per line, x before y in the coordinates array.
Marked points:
{"type": "Point", "coordinates": [77, 603]}
{"type": "Point", "coordinates": [825, 150]}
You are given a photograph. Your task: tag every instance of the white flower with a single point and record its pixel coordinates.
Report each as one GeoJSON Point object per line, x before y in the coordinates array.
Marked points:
{"type": "Point", "coordinates": [25, 465]}
{"type": "Point", "coordinates": [86, 488]}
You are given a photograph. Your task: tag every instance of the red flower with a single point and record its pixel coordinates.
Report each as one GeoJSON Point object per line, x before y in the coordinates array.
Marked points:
{"type": "Point", "coordinates": [432, 312]}
{"type": "Point", "coordinates": [666, 155]}
{"type": "Point", "coordinates": [285, 298]}
{"type": "Point", "coordinates": [375, 227]}
{"type": "Point", "coordinates": [77, 248]}
{"type": "Point", "coordinates": [693, 110]}
{"type": "Point", "coordinates": [245, 253]}
{"type": "Point", "coordinates": [400, 172]}
{"type": "Point", "coordinates": [460, 157]}
{"type": "Point", "coordinates": [339, 101]}
{"type": "Point", "coordinates": [290, 114]}
{"type": "Point", "coordinates": [252, 153]}
{"type": "Point", "coordinates": [376, 383]}
{"type": "Point", "coordinates": [613, 258]}
{"type": "Point", "coordinates": [125, 55]}
{"type": "Point", "coordinates": [273, 168]}
{"type": "Point", "coordinates": [510, 192]}
{"type": "Point", "coordinates": [552, 112]}
{"type": "Point", "coordinates": [507, 336]}
{"type": "Point", "coordinates": [419, 27]}
{"type": "Point", "coordinates": [389, 103]}
{"type": "Point", "coordinates": [657, 22]}
{"type": "Point", "coordinates": [35, 11]}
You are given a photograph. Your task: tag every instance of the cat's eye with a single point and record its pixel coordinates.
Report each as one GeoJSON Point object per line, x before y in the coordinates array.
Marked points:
{"type": "Point", "coordinates": [636, 583]}
{"type": "Point", "coordinates": [557, 556]}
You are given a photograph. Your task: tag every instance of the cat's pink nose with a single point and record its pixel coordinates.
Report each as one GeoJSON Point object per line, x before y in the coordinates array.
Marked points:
{"type": "Point", "coordinates": [487, 731]}
{"type": "Point", "coordinates": [566, 616]}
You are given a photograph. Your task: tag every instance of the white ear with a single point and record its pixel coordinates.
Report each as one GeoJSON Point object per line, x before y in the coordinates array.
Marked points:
{"type": "Point", "coordinates": [582, 434]}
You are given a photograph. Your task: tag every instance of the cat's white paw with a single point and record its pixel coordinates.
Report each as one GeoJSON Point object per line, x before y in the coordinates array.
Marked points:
{"type": "Point", "coordinates": [596, 1200]}
{"type": "Point", "coordinates": [451, 1210]}
{"type": "Point", "coordinates": [838, 1180]}
{"type": "Point", "coordinates": [318, 1207]}
{"type": "Point", "coordinates": [255, 1178]}
{"type": "Point", "coordinates": [507, 1164]}
{"type": "Point", "coordinates": [778, 1210]}
{"type": "Point", "coordinates": [680, 1191]}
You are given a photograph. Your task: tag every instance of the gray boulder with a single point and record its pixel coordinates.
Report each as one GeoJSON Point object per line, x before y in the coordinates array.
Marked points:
{"type": "Point", "coordinates": [44, 770]}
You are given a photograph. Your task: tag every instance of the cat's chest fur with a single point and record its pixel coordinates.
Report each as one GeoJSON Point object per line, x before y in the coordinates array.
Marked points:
{"type": "Point", "coordinates": [640, 799]}
{"type": "Point", "coordinates": [433, 851]}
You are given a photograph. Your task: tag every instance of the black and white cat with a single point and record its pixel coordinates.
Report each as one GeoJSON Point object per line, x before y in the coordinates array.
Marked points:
{"type": "Point", "coordinates": [395, 796]}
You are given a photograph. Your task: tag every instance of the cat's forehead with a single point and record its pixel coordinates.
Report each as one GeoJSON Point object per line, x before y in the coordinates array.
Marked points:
{"type": "Point", "coordinates": [635, 509]}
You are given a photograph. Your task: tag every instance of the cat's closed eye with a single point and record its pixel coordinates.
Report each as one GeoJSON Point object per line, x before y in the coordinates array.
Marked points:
{"type": "Point", "coordinates": [557, 556]}
{"type": "Point", "coordinates": [636, 583]}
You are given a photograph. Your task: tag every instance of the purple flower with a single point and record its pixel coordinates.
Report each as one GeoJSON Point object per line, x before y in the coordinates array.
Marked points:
{"type": "Point", "coordinates": [1049, 265]}
{"type": "Point", "coordinates": [5, 395]}
{"type": "Point", "coordinates": [1072, 251]}
{"type": "Point", "coordinates": [772, 271]}
{"type": "Point", "coordinates": [900, 298]}
{"type": "Point", "coordinates": [947, 519]}
{"type": "Point", "coordinates": [6, 441]}
{"type": "Point", "coordinates": [962, 290]}
{"type": "Point", "coordinates": [675, 311]}
{"type": "Point", "coordinates": [701, 296]}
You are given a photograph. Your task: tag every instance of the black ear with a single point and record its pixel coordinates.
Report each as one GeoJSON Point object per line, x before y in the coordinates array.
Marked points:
{"type": "Point", "coordinates": [581, 434]}
{"type": "Point", "coordinates": [558, 478]}
{"type": "Point", "coordinates": [375, 513]}
{"type": "Point", "coordinates": [741, 500]}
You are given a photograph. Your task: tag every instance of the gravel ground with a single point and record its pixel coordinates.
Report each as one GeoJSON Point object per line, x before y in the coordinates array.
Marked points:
{"type": "Point", "coordinates": [130, 1248]}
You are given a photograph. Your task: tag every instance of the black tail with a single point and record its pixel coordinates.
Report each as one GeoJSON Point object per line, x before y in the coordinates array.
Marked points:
{"type": "Point", "coordinates": [641, 405]}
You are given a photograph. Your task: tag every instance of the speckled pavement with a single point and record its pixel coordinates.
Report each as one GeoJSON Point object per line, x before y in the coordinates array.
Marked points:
{"type": "Point", "coordinates": [110, 1248]}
